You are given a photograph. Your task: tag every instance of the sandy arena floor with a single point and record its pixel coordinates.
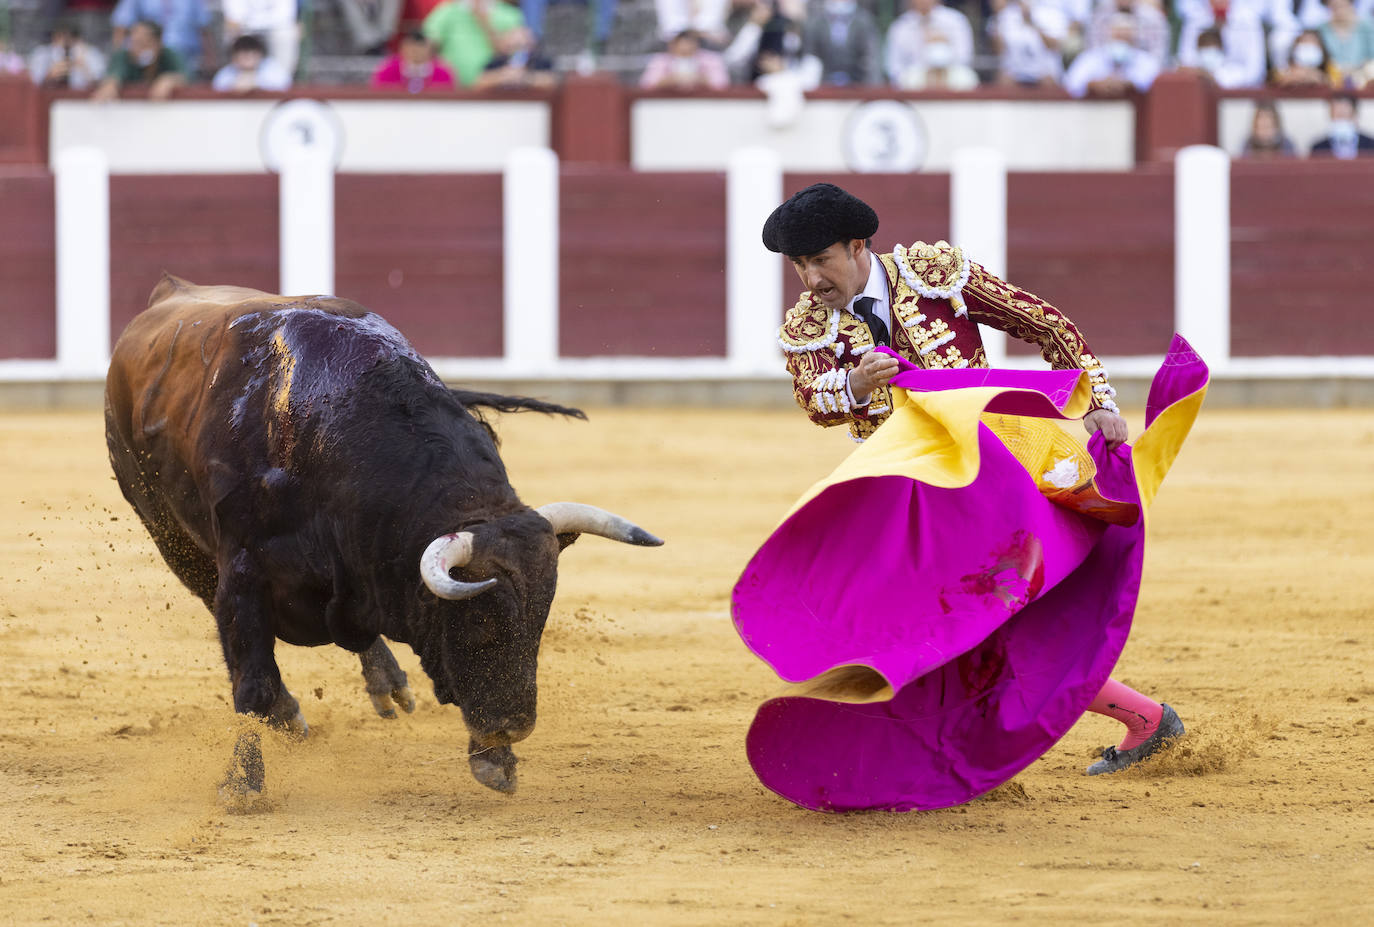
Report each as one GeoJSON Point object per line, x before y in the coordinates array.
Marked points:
{"type": "Point", "coordinates": [636, 804]}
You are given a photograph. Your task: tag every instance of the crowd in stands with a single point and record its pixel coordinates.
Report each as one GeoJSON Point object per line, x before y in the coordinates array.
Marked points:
{"type": "Point", "coordinates": [786, 47]}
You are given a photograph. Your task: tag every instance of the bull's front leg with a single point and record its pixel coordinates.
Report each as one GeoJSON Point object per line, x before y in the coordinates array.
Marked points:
{"type": "Point", "coordinates": [386, 681]}
{"type": "Point", "coordinates": [494, 767]}
{"type": "Point", "coordinates": [248, 640]}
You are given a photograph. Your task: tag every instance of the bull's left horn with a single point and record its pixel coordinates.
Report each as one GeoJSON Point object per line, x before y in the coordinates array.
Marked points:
{"type": "Point", "coordinates": [443, 554]}
{"type": "Point", "coordinates": [576, 518]}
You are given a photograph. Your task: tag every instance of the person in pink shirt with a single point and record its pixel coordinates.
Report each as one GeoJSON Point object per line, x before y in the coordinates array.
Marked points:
{"type": "Point", "coordinates": [685, 66]}
{"type": "Point", "coordinates": [414, 67]}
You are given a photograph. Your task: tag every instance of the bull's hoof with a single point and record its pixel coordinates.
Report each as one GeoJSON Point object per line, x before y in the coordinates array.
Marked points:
{"type": "Point", "coordinates": [385, 703]}
{"type": "Point", "coordinates": [241, 790]}
{"type": "Point", "coordinates": [494, 767]}
{"type": "Point", "coordinates": [294, 727]}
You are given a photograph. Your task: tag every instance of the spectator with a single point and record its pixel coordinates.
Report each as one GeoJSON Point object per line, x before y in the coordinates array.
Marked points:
{"type": "Point", "coordinates": [1349, 38]}
{"type": "Point", "coordinates": [185, 26]}
{"type": "Point", "coordinates": [11, 62]}
{"type": "Point", "coordinates": [1267, 141]}
{"type": "Point", "coordinates": [1344, 140]}
{"type": "Point", "coordinates": [942, 72]}
{"type": "Point", "coordinates": [1312, 13]}
{"type": "Point", "coordinates": [143, 60]}
{"type": "Point", "coordinates": [1151, 26]}
{"type": "Point", "coordinates": [1237, 63]}
{"type": "Point", "coordinates": [685, 66]}
{"type": "Point", "coordinates": [518, 63]}
{"type": "Point", "coordinates": [1236, 33]}
{"type": "Point", "coordinates": [1114, 68]}
{"type": "Point", "coordinates": [466, 30]}
{"type": "Point", "coordinates": [414, 67]}
{"type": "Point", "coordinates": [372, 23]}
{"type": "Point", "coordinates": [1275, 17]}
{"type": "Point", "coordinates": [704, 17]}
{"type": "Point", "coordinates": [66, 61]}
{"type": "Point", "coordinates": [1028, 38]}
{"type": "Point", "coordinates": [911, 33]}
{"type": "Point", "coordinates": [273, 21]}
{"type": "Point", "coordinates": [603, 13]}
{"type": "Point", "coordinates": [1308, 64]}
{"type": "Point", "coordinates": [250, 68]}
{"type": "Point", "coordinates": [846, 40]}
{"type": "Point", "coordinates": [773, 29]}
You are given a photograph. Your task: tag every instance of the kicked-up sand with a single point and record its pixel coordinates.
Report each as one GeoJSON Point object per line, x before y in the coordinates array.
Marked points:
{"type": "Point", "coordinates": [636, 804]}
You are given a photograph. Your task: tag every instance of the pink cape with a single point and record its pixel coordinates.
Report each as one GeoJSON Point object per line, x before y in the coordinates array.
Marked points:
{"type": "Point", "coordinates": [950, 634]}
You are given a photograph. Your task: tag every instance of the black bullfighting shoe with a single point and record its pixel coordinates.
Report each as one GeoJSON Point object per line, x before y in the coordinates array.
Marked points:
{"type": "Point", "coordinates": [1114, 760]}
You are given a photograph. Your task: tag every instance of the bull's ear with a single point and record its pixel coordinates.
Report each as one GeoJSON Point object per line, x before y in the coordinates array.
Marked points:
{"type": "Point", "coordinates": [567, 540]}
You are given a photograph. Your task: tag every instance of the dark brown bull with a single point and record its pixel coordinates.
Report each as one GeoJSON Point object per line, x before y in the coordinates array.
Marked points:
{"type": "Point", "coordinates": [307, 475]}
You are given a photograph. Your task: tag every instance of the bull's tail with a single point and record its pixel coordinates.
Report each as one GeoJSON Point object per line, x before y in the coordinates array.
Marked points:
{"type": "Point", "coordinates": [500, 403]}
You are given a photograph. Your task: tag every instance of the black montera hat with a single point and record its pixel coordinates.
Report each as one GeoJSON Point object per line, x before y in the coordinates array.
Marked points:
{"type": "Point", "coordinates": [817, 217]}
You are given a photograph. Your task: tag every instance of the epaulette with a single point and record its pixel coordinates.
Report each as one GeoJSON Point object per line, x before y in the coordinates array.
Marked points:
{"type": "Point", "coordinates": [937, 271]}
{"type": "Point", "coordinates": [808, 326]}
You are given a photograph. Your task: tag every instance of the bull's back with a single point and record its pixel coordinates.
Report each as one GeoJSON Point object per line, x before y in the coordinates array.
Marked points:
{"type": "Point", "coordinates": [204, 380]}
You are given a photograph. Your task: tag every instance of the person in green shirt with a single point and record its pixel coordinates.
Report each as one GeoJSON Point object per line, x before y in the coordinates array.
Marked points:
{"type": "Point", "coordinates": [143, 60]}
{"type": "Point", "coordinates": [466, 32]}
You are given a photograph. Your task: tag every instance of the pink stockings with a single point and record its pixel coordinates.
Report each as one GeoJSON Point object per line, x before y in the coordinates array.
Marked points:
{"type": "Point", "coordinates": [1140, 714]}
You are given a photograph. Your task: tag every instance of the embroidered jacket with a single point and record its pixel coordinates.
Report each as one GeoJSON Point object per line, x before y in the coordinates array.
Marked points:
{"type": "Point", "coordinates": [937, 297]}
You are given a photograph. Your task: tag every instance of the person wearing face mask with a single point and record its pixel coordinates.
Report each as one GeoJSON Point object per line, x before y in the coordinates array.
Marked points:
{"type": "Point", "coordinates": [1113, 68]}
{"type": "Point", "coordinates": [942, 72]}
{"type": "Point", "coordinates": [1151, 26]}
{"type": "Point", "coordinates": [910, 36]}
{"type": "Point", "coordinates": [1230, 49]}
{"type": "Point", "coordinates": [143, 61]}
{"type": "Point", "coordinates": [1242, 22]}
{"type": "Point", "coordinates": [1027, 38]}
{"type": "Point", "coordinates": [184, 28]}
{"type": "Point", "coordinates": [846, 40]}
{"type": "Point", "coordinates": [1308, 64]}
{"type": "Point", "coordinates": [1344, 140]}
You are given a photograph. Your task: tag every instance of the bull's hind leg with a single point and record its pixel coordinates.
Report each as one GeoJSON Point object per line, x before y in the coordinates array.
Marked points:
{"type": "Point", "coordinates": [386, 681]}
{"type": "Point", "coordinates": [248, 640]}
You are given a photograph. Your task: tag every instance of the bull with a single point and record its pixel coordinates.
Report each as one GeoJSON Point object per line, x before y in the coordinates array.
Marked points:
{"type": "Point", "coordinates": [307, 475]}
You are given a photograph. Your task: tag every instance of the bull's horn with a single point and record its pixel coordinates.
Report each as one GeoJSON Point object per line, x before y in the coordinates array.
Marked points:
{"type": "Point", "coordinates": [443, 554]}
{"type": "Point", "coordinates": [576, 518]}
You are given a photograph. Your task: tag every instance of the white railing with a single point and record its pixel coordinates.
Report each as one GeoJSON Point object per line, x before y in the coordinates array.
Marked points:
{"type": "Point", "coordinates": [753, 276]}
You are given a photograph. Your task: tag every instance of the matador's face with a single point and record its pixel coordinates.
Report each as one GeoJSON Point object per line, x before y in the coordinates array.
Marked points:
{"type": "Point", "coordinates": [837, 274]}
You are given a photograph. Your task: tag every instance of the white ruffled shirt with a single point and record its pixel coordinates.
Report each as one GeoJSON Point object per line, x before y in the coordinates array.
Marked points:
{"type": "Point", "coordinates": [876, 287]}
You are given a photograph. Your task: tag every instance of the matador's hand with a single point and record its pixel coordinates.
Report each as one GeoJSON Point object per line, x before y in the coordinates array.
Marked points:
{"type": "Point", "coordinates": [873, 371]}
{"type": "Point", "coordinates": [1112, 426]}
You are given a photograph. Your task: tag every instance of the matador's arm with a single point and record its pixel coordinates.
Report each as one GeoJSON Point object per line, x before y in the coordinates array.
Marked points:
{"type": "Point", "coordinates": [996, 303]}
{"type": "Point", "coordinates": [820, 382]}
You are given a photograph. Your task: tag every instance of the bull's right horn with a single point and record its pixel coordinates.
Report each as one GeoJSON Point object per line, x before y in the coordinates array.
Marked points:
{"type": "Point", "coordinates": [443, 554]}
{"type": "Point", "coordinates": [577, 518]}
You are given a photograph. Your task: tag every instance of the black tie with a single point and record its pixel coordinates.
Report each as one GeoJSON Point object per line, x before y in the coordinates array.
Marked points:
{"type": "Point", "coordinates": [863, 308]}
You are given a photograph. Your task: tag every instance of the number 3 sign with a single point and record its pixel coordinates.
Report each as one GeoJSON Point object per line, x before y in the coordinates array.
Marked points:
{"type": "Point", "coordinates": [301, 126]}
{"type": "Point", "coordinates": [884, 137]}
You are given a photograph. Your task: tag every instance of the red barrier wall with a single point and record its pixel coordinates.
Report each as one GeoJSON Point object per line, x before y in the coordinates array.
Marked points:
{"type": "Point", "coordinates": [206, 229]}
{"type": "Point", "coordinates": [642, 262]}
{"type": "Point", "coordinates": [1101, 248]}
{"type": "Point", "coordinates": [28, 268]}
{"type": "Point", "coordinates": [1300, 258]}
{"type": "Point", "coordinates": [425, 252]}
{"type": "Point", "coordinates": [642, 269]}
